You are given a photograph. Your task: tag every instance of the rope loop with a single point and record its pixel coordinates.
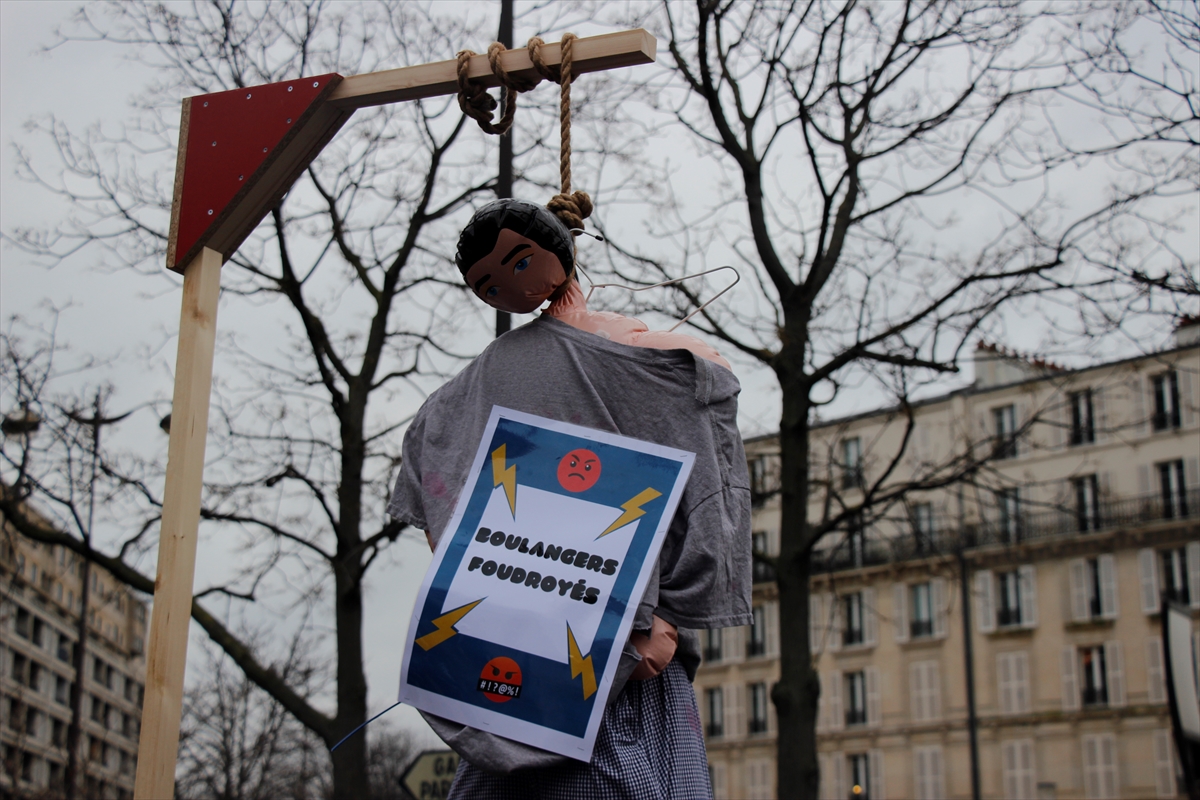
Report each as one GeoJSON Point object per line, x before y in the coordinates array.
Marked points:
{"type": "Point", "coordinates": [477, 104]}
{"type": "Point", "coordinates": [570, 207]}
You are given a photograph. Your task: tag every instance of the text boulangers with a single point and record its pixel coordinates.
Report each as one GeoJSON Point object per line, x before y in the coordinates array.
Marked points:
{"type": "Point", "coordinates": [578, 589]}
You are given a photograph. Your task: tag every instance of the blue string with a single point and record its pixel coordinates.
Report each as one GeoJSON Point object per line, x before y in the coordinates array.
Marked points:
{"type": "Point", "coordinates": [365, 724]}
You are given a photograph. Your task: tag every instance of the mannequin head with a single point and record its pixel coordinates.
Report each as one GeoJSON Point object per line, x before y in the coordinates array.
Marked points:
{"type": "Point", "coordinates": [514, 254]}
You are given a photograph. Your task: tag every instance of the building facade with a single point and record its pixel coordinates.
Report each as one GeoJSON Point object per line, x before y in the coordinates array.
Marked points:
{"type": "Point", "coordinates": [39, 613]}
{"type": "Point", "coordinates": [1076, 508]}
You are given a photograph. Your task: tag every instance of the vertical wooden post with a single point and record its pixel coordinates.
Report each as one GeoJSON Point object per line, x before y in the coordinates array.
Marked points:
{"type": "Point", "coordinates": [167, 648]}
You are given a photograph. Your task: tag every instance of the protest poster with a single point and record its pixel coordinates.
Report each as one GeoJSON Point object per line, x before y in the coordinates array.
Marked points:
{"type": "Point", "coordinates": [522, 616]}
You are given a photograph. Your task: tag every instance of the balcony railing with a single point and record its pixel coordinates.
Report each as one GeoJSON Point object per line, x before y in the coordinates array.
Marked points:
{"type": "Point", "coordinates": [892, 540]}
{"type": "Point", "coordinates": [1008, 616]}
{"type": "Point", "coordinates": [921, 627]}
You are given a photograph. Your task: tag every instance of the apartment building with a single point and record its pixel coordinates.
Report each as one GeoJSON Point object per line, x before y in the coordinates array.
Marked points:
{"type": "Point", "coordinates": [1085, 514]}
{"type": "Point", "coordinates": [39, 613]}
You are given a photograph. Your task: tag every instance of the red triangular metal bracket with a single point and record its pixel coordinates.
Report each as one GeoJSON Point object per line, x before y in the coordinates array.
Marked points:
{"type": "Point", "coordinates": [239, 153]}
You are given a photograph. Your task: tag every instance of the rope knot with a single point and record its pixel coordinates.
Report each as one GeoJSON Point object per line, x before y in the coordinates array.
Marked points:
{"type": "Point", "coordinates": [571, 208]}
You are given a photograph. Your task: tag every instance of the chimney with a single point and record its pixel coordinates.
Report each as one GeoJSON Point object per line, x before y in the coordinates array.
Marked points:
{"type": "Point", "coordinates": [997, 366]}
{"type": "Point", "coordinates": [1187, 332]}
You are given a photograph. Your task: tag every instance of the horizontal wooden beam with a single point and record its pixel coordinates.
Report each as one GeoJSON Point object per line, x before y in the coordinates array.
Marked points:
{"type": "Point", "coordinates": [591, 54]}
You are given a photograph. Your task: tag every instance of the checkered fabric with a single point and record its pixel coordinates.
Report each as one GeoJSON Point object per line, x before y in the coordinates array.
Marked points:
{"type": "Point", "coordinates": [650, 747]}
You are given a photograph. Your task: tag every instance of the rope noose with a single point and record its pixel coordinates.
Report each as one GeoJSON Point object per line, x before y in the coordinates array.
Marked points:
{"type": "Point", "coordinates": [572, 208]}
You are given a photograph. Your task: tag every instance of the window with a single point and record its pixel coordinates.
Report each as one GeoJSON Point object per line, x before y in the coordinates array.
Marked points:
{"type": "Point", "coordinates": [924, 686]}
{"type": "Point", "coordinates": [856, 541]}
{"type": "Point", "coordinates": [1008, 595]}
{"type": "Point", "coordinates": [927, 773]}
{"type": "Point", "coordinates": [758, 476]}
{"type": "Point", "coordinates": [16, 713]}
{"type": "Point", "coordinates": [756, 645]}
{"type": "Point", "coordinates": [35, 676]}
{"type": "Point", "coordinates": [922, 610]}
{"type": "Point", "coordinates": [1087, 503]}
{"type": "Point", "coordinates": [63, 651]}
{"type": "Point", "coordinates": [1094, 676]}
{"type": "Point", "coordinates": [20, 666]}
{"type": "Point", "coordinates": [1174, 496]}
{"type": "Point", "coordinates": [97, 709]}
{"type": "Point", "coordinates": [852, 474]}
{"type": "Point", "coordinates": [1017, 764]}
{"type": "Point", "coordinates": [1100, 767]}
{"type": "Point", "coordinates": [856, 698]}
{"type": "Point", "coordinates": [1175, 575]}
{"type": "Point", "coordinates": [712, 652]}
{"type": "Point", "coordinates": [62, 690]}
{"type": "Point", "coordinates": [31, 722]}
{"type": "Point", "coordinates": [98, 671]}
{"type": "Point", "coordinates": [28, 762]}
{"type": "Point", "coordinates": [58, 734]}
{"type": "Point", "coordinates": [716, 779]}
{"type": "Point", "coordinates": [39, 632]}
{"type": "Point", "coordinates": [1166, 400]}
{"type": "Point", "coordinates": [1008, 515]}
{"type": "Point", "coordinates": [1005, 419]}
{"type": "Point", "coordinates": [758, 708]}
{"type": "Point", "coordinates": [860, 775]}
{"type": "Point", "coordinates": [762, 571]}
{"type": "Point", "coordinates": [852, 615]}
{"type": "Point", "coordinates": [23, 623]}
{"type": "Point", "coordinates": [1083, 429]}
{"type": "Point", "coordinates": [922, 522]}
{"type": "Point", "coordinates": [1093, 588]}
{"type": "Point", "coordinates": [716, 711]}
{"type": "Point", "coordinates": [1012, 682]}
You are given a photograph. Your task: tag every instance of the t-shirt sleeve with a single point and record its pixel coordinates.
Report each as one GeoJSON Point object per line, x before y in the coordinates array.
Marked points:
{"type": "Point", "coordinates": [705, 577]}
{"type": "Point", "coordinates": [407, 503]}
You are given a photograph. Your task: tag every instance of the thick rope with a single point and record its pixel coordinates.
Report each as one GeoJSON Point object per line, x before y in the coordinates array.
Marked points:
{"type": "Point", "coordinates": [572, 208]}
{"type": "Point", "coordinates": [477, 104]}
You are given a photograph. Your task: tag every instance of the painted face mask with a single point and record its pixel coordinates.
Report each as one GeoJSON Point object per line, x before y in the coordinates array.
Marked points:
{"type": "Point", "coordinates": [517, 275]}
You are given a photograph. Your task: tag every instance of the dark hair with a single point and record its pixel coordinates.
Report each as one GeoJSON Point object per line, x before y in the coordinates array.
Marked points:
{"type": "Point", "coordinates": [534, 222]}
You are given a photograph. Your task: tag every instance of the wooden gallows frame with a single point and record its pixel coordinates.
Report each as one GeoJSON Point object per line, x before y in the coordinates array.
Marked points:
{"type": "Point", "coordinates": [239, 152]}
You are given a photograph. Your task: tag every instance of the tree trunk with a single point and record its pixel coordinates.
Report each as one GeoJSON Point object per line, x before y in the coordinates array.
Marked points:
{"type": "Point", "coordinates": [350, 759]}
{"type": "Point", "coordinates": [796, 694]}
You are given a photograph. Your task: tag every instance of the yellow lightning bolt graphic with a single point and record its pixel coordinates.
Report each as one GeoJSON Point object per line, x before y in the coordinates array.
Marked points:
{"type": "Point", "coordinates": [444, 626]}
{"type": "Point", "coordinates": [508, 477]}
{"type": "Point", "coordinates": [633, 509]}
{"type": "Point", "coordinates": [580, 664]}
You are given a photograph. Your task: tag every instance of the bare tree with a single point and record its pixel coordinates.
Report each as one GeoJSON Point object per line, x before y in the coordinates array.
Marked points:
{"type": "Point", "coordinates": [893, 176]}
{"type": "Point", "coordinates": [239, 743]}
{"type": "Point", "coordinates": [351, 272]}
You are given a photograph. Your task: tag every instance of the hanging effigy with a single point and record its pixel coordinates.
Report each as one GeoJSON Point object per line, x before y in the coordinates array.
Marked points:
{"type": "Point", "coordinates": [560, 610]}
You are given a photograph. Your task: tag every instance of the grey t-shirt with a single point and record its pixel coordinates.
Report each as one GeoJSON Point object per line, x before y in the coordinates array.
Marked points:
{"type": "Point", "coordinates": [669, 397]}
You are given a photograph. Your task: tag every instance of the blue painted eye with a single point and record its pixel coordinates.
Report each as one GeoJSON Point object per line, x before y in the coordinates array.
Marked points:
{"type": "Point", "coordinates": [492, 292]}
{"type": "Point", "coordinates": [522, 264]}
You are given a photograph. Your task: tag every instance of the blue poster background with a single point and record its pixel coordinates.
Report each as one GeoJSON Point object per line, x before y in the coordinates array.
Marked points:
{"type": "Point", "coordinates": [549, 695]}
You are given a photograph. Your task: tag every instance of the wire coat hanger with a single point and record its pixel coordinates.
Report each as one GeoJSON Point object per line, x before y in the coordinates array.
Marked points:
{"type": "Point", "coordinates": [737, 279]}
